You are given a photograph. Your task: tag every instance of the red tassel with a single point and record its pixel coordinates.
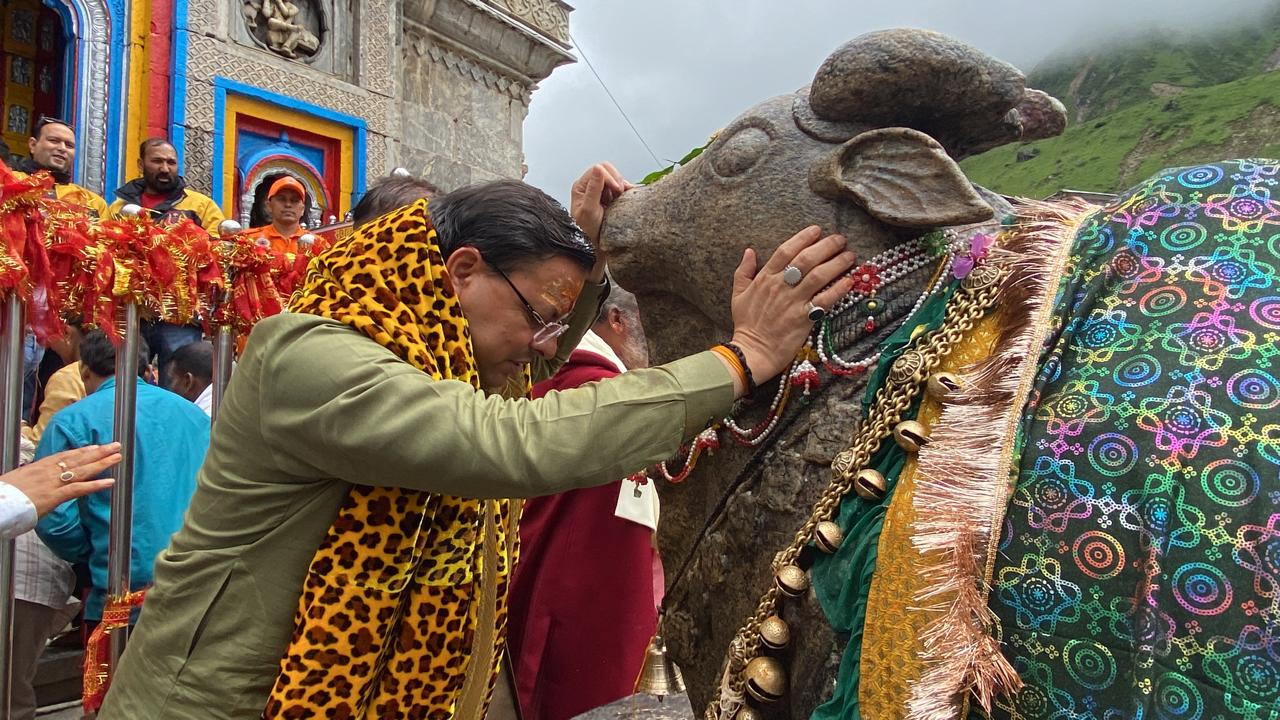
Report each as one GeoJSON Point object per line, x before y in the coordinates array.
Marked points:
{"type": "Point", "coordinates": [805, 376]}
{"type": "Point", "coordinates": [708, 440]}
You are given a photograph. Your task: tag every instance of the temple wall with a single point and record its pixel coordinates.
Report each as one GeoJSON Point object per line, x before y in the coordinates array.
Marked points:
{"type": "Point", "coordinates": [440, 87]}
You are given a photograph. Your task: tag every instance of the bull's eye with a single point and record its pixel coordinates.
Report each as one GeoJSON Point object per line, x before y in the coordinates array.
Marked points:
{"type": "Point", "coordinates": [739, 152]}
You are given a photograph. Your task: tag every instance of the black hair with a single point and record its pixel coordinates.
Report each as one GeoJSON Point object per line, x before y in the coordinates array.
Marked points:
{"type": "Point", "coordinates": [510, 223]}
{"type": "Point", "coordinates": [45, 121]}
{"type": "Point", "coordinates": [99, 355]}
{"type": "Point", "coordinates": [149, 143]}
{"type": "Point", "coordinates": [390, 194]}
{"type": "Point", "coordinates": [258, 214]}
{"type": "Point", "coordinates": [195, 358]}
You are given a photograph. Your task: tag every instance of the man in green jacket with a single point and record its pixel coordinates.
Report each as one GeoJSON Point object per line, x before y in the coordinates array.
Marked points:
{"type": "Point", "coordinates": [346, 551]}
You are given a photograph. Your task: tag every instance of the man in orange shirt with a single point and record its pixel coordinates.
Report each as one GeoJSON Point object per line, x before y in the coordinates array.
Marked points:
{"type": "Point", "coordinates": [286, 201]}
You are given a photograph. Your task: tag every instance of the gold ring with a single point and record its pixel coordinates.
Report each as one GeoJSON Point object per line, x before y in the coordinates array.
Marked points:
{"type": "Point", "coordinates": [66, 476]}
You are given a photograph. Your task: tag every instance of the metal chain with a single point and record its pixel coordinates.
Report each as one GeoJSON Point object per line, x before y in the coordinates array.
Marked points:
{"type": "Point", "coordinates": [975, 297]}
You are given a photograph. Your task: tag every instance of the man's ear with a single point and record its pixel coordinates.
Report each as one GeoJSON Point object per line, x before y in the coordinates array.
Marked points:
{"type": "Point", "coordinates": [31, 146]}
{"type": "Point", "coordinates": [465, 265]}
{"type": "Point", "coordinates": [617, 320]}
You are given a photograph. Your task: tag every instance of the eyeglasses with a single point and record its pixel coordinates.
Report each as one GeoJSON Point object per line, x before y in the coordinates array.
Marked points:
{"type": "Point", "coordinates": [44, 120]}
{"type": "Point", "coordinates": [546, 330]}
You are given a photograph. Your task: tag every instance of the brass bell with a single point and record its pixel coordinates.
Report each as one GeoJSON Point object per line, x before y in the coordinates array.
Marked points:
{"type": "Point", "coordinates": [942, 385]}
{"type": "Point", "coordinates": [870, 485]}
{"type": "Point", "coordinates": [910, 435]}
{"type": "Point", "coordinates": [746, 712]}
{"type": "Point", "coordinates": [775, 633]}
{"type": "Point", "coordinates": [658, 675]}
{"type": "Point", "coordinates": [766, 680]}
{"type": "Point", "coordinates": [792, 581]}
{"type": "Point", "coordinates": [827, 536]}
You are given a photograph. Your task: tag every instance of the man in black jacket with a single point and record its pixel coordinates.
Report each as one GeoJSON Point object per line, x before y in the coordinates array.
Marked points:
{"type": "Point", "coordinates": [163, 191]}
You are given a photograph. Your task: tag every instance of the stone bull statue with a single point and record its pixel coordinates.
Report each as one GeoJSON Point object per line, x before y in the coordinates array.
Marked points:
{"type": "Point", "coordinates": [1027, 469]}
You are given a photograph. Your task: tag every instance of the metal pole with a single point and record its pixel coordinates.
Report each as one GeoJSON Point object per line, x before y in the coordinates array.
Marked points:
{"type": "Point", "coordinates": [223, 356]}
{"type": "Point", "coordinates": [120, 540]}
{"type": "Point", "coordinates": [224, 345]}
{"type": "Point", "coordinates": [11, 367]}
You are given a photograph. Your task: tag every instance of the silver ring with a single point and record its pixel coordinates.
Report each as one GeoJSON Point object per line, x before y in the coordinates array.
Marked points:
{"type": "Point", "coordinates": [815, 313]}
{"type": "Point", "coordinates": [791, 275]}
{"type": "Point", "coordinates": [67, 476]}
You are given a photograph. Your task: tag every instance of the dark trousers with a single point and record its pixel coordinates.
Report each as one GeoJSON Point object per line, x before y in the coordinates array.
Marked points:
{"type": "Point", "coordinates": [164, 339]}
{"type": "Point", "coordinates": [32, 627]}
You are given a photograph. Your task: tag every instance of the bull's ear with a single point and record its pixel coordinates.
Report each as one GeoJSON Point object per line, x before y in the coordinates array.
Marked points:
{"type": "Point", "coordinates": [902, 177]}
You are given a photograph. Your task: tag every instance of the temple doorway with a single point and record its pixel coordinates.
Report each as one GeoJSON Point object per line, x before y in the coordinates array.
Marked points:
{"type": "Point", "coordinates": [33, 74]}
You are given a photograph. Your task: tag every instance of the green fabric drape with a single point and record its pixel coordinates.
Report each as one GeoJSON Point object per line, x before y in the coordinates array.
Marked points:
{"type": "Point", "coordinates": [842, 581]}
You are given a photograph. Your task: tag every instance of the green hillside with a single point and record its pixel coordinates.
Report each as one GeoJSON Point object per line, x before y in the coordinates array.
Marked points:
{"type": "Point", "coordinates": [1160, 65]}
{"type": "Point", "coordinates": [1164, 101]}
{"type": "Point", "coordinates": [1113, 152]}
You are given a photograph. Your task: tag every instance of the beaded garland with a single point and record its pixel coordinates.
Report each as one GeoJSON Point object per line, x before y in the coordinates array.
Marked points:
{"type": "Point", "coordinates": [803, 375]}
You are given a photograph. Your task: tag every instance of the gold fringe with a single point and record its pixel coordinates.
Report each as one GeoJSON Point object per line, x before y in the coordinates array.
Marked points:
{"type": "Point", "coordinates": [962, 486]}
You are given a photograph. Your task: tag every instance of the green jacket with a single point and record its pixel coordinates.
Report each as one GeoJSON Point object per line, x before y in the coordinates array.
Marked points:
{"type": "Point", "coordinates": [316, 406]}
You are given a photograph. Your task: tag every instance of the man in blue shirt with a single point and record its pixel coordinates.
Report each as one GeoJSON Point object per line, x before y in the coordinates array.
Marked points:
{"type": "Point", "coordinates": [171, 437]}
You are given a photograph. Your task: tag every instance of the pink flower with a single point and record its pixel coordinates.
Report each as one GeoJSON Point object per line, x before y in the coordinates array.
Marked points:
{"type": "Point", "coordinates": [979, 246]}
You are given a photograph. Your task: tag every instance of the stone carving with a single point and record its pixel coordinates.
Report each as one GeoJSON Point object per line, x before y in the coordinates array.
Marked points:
{"type": "Point", "coordinates": [467, 68]}
{"type": "Point", "coordinates": [549, 16]}
{"type": "Point", "coordinates": [20, 70]}
{"type": "Point", "coordinates": [869, 151]}
{"type": "Point", "coordinates": [17, 120]}
{"type": "Point", "coordinates": [207, 59]}
{"type": "Point", "coordinates": [375, 39]}
{"type": "Point", "coordinates": [288, 28]}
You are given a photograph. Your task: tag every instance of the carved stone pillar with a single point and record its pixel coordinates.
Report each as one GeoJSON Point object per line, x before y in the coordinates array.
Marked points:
{"type": "Point", "coordinates": [469, 68]}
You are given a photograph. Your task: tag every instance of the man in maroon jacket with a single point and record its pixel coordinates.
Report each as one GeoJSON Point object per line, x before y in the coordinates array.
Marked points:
{"type": "Point", "coordinates": [583, 600]}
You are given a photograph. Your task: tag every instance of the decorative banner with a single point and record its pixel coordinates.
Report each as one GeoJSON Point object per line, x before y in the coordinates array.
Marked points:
{"type": "Point", "coordinates": [64, 263]}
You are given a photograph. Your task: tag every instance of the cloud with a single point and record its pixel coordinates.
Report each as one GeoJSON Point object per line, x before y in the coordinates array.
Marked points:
{"type": "Point", "coordinates": [682, 69]}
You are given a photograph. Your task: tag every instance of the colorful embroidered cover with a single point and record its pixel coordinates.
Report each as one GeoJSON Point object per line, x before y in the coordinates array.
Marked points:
{"type": "Point", "coordinates": [1138, 572]}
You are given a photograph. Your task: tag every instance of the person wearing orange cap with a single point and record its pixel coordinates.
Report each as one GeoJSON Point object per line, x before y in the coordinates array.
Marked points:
{"type": "Point", "coordinates": [286, 202]}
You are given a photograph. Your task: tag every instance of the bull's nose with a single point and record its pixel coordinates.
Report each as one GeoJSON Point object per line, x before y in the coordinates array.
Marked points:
{"type": "Point", "coordinates": [621, 228]}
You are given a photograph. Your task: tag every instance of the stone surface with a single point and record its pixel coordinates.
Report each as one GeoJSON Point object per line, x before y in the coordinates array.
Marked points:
{"type": "Point", "coordinates": [468, 73]}
{"type": "Point", "coordinates": [443, 85]}
{"type": "Point", "coordinates": [643, 707]}
{"type": "Point", "coordinates": [780, 166]}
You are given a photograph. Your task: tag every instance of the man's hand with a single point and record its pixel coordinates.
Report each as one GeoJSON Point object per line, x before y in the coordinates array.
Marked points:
{"type": "Point", "coordinates": [43, 481]}
{"type": "Point", "coordinates": [598, 187]}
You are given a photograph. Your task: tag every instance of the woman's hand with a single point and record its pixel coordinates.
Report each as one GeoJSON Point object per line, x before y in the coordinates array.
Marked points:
{"type": "Point", "coordinates": [598, 187]}
{"type": "Point", "coordinates": [771, 318]}
{"type": "Point", "coordinates": [70, 474]}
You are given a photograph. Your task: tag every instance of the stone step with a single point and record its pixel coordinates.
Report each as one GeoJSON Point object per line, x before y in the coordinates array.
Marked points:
{"type": "Point", "coordinates": [58, 676]}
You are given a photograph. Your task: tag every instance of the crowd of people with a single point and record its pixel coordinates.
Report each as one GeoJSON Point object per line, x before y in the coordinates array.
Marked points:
{"type": "Point", "coordinates": [344, 540]}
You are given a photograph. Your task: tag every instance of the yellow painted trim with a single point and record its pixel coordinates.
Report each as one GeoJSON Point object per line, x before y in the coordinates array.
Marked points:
{"type": "Point", "coordinates": [237, 105]}
{"type": "Point", "coordinates": [139, 90]}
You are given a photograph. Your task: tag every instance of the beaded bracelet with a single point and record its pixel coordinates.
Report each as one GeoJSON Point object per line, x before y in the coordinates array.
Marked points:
{"type": "Point", "coordinates": [746, 369]}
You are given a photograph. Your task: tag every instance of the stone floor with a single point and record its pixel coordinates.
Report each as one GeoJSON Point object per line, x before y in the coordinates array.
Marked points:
{"type": "Point", "coordinates": [60, 712]}
{"type": "Point", "coordinates": [643, 707]}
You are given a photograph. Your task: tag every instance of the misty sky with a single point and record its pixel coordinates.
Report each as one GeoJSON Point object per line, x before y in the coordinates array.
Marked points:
{"type": "Point", "coordinates": [682, 69]}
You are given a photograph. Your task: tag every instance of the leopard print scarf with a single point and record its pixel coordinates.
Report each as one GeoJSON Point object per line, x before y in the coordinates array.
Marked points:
{"type": "Point", "coordinates": [387, 619]}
